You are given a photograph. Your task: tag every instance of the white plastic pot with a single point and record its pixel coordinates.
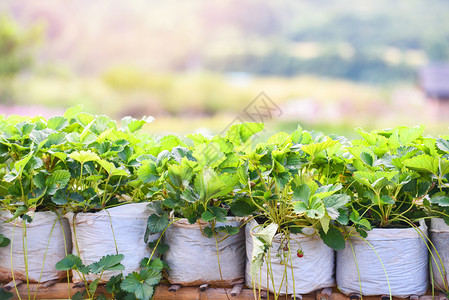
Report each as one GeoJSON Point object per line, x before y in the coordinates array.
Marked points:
{"type": "Point", "coordinates": [439, 233]}
{"type": "Point", "coordinates": [313, 271]}
{"type": "Point", "coordinates": [193, 260]}
{"type": "Point", "coordinates": [115, 230]}
{"type": "Point", "coordinates": [47, 242]}
{"type": "Point", "coordinates": [403, 254]}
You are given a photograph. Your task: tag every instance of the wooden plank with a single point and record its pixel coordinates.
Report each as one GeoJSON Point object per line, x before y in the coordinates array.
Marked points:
{"type": "Point", "coordinates": [56, 291]}
{"type": "Point", "coordinates": [61, 291]}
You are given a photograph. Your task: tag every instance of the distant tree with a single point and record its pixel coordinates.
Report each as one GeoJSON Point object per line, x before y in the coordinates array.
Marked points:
{"type": "Point", "coordinates": [17, 46]}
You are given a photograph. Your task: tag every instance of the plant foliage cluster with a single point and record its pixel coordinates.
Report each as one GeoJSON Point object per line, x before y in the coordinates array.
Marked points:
{"type": "Point", "coordinates": [84, 163]}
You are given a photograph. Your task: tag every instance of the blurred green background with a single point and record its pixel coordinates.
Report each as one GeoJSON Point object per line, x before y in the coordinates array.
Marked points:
{"type": "Point", "coordinates": [195, 66]}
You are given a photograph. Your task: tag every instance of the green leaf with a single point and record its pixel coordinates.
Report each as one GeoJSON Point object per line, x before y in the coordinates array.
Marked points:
{"type": "Point", "coordinates": [84, 156]}
{"type": "Point", "coordinates": [315, 209]}
{"type": "Point", "coordinates": [336, 201]}
{"type": "Point", "coordinates": [443, 145]}
{"type": "Point", "coordinates": [219, 213]}
{"type": "Point", "coordinates": [156, 224]}
{"type": "Point", "coordinates": [442, 201]}
{"type": "Point", "coordinates": [84, 118]}
{"type": "Point", "coordinates": [161, 248]}
{"type": "Point", "coordinates": [239, 134]}
{"type": "Point", "coordinates": [57, 180]}
{"type": "Point", "coordinates": [147, 172]}
{"type": "Point", "coordinates": [20, 165]}
{"type": "Point", "coordinates": [207, 216]}
{"type": "Point", "coordinates": [228, 229]}
{"type": "Point", "coordinates": [113, 284]}
{"type": "Point", "coordinates": [208, 232]}
{"type": "Point", "coordinates": [387, 200]}
{"type": "Point", "coordinates": [423, 162]}
{"type": "Point", "coordinates": [209, 155]}
{"type": "Point", "coordinates": [367, 158]}
{"type": "Point", "coordinates": [315, 148]}
{"type": "Point", "coordinates": [21, 210]}
{"type": "Point", "coordinates": [73, 111]}
{"type": "Point", "coordinates": [4, 241]}
{"type": "Point", "coordinates": [108, 263]}
{"type": "Point", "coordinates": [301, 193]}
{"type": "Point", "coordinates": [57, 123]}
{"type": "Point", "coordinates": [210, 185]}
{"type": "Point", "coordinates": [93, 286]}
{"type": "Point", "coordinates": [72, 262]}
{"type": "Point", "coordinates": [111, 169]}
{"type": "Point", "coordinates": [141, 284]}
{"type": "Point", "coordinates": [4, 295]}
{"type": "Point", "coordinates": [333, 238]}
{"type": "Point", "coordinates": [55, 139]}
{"type": "Point", "coordinates": [133, 124]}
{"type": "Point", "coordinates": [77, 296]}
{"type": "Point", "coordinates": [243, 208]}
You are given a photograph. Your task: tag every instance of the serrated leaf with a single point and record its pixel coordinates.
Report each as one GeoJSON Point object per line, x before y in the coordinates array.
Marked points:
{"type": "Point", "coordinates": [442, 201]}
{"type": "Point", "coordinates": [156, 224]}
{"type": "Point", "coordinates": [208, 232]}
{"type": "Point", "coordinates": [147, 172]}
{"type": "Point", "coordinates": [333, 238]}
{"type": "Point", "coordinates": [423, 162]}
{"type": "Point", "coordinates": [367, 158]}
{"type": "Point", "coordinates": [161, 248]}
{"type": "Point", "coordinates": [209, 155]}
{"type": "Point", "coordinates": [84, 118]}
{"type": "Point", "coordinates": [21, 210]}
{"type": "Point", "coordinates": [71, 112]}
{"type": "Point", "coordinates": [108, 263]}
{"type": "Point", "coordinates": [141, 284]}
{"type": "Point", "coordinates": [207, 216]}
{"type": "Point", "coordinates": [55, 139]}
{"type": "Point", "coordinates": [57, 180]}
{"type": "Point", "coordinates": [336, 201]}
{"type": "Point", "coordinates": [301, 193]}
{"type": "Point", "coordinates": [315, 148]}
{"type": "Point", "coordinates": [57, 123]}
{"type": "Point", "coordinates": [443, 145]}
{"type": "Point", "coordinates": [240, 133]}
{"type": "Point", "coordinates": [72, 262]}
{"type": "Point", "coordinates": [133, 124]}
{"type": "Point", "coordinates": [111, 169]}
{"type": "Point", "coordinates": [210, 185]}
{"type": "Point", "coordinates": [242, 208]}
{"type": "Point", "coordinates": [4, 295]}
{"type": "Point", "coordinates": [84, 156]}
{"type": "Point", "coordinates": [4, 241]}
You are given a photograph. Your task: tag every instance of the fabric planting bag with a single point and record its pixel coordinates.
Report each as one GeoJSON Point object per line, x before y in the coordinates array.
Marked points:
{"type": "Point", "coordinates": [114, 230]}
{"type": "Point", "coordinates": [47, 242]}
{"type": "Point", "coordinates": [192, 257]}
{"type": "Point", "coordinates": [313, 271]}
{"type": "Point", "coordinates": [439, 235]}
{"type": "Point", "coordinates": [401, 251]}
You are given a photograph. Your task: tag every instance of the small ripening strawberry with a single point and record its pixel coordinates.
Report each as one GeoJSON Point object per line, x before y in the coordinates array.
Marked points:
{"type": "Point", "coordinates": [299, 253]}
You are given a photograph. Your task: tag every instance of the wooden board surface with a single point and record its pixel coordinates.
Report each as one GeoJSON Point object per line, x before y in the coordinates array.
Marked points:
{"type": "Point", "coordinates": [61, 291]}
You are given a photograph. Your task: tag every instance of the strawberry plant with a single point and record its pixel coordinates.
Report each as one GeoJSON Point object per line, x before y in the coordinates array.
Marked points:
{"type": "Point", "coordinates": [106, 263]}
{"type": "Point", "coordinates": [386, 187]}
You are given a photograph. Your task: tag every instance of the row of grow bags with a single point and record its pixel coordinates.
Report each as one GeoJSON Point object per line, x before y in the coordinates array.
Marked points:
{"type": "Point", "coordinates": [388, 261]}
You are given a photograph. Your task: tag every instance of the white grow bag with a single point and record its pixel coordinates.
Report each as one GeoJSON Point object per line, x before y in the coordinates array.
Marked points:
{"type": "Point", "coordinates": [439, 233]}
{"type": "Point", "coordinates": [48, 241]}
{"type": "Point", "coordinates": [313, 271]}
{"type": "Point", "coordinates": [97, 234]}
{"type": "Point", "coordinates": [192, 257]}
{"type": "Point", "coordinates": [403, 253]}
